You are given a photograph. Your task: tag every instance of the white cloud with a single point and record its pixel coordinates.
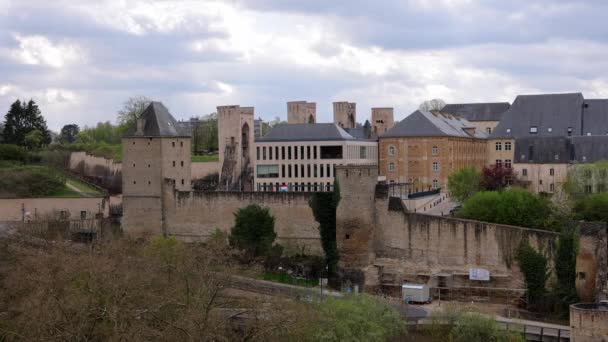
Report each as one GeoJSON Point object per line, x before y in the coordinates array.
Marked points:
{"type": "Point", "coordinates": [5, 89]}
{"type": "Point", "coordinates": [39, 50]}
{"type": "Point", "coordinates": [59, 96]}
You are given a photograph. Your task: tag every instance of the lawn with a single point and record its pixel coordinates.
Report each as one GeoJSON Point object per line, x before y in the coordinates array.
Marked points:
{"type": "Point", "coordinates": [83, 187]}
{"type": "Point", "coordinates": [66, 192]}
{"type": "Point", "coordinates": [205, 158]}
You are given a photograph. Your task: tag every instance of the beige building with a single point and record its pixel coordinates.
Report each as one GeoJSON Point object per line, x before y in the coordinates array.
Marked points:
{"type": "Point", "coordinates": [501, 152]}
{"type": "Point", "coordinates": [153, 149]}
{"type": "Point", "coordinates": [235, 141]}
{"type": "Point", "coordinates": [301, 112]}
{"type": "Point", "coordinates": [302, 157]}
{"type": "Point", "coordinates": [484, 116]}
{"type": "Point", "coordinates": [345, 114]}
{"type": "Point", "coordinates": [424, 148]}
{"type": "Point", "coordinates": [382, 120]}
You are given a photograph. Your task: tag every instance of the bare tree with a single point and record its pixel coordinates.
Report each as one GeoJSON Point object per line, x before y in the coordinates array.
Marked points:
{"type": "Point", "coordinates": [132, 109]}
{"type": "Point", "coordinates": [432, 105]}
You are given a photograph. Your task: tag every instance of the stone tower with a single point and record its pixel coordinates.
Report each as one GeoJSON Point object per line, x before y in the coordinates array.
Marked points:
{"type": "Point", "coordinates": [345, 114]}
{"type": "Point", "coordinates": [154, 148]}
{"type": "Point", "coordinates": [301, 112]}
{"type": "Point", "coordinates": [382, 120]}
{"type": "Point", "coordinates": [235, 137]}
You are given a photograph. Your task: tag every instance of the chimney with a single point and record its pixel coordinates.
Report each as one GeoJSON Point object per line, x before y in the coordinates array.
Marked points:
{"type": "Point", "coordinates": [140, 126]}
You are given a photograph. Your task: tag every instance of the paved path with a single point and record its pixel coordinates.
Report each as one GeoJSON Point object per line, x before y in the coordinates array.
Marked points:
{"type": "Point", "coordinates": [75, 188]}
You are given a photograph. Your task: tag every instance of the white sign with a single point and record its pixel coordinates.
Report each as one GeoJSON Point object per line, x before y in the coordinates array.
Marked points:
{"type": "Point", "coordinates": [323, 281]}
{"type": "Point", "coordinates": [479, 274]}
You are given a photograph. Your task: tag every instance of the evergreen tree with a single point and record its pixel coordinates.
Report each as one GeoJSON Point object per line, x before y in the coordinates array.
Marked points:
{"type": "Point", "coordinates": [68, 133]}
{"type": "Point", "coordinates": [20, 120]}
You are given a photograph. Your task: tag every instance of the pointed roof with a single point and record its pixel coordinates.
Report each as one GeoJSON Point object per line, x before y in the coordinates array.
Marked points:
{"type": "Point", "coordinates": [427, 124]}
{"type": "Point", "coordinates": [491, 111]}
{"type": "Point", "coordinates": [158, 122]}
{"type": "Point", "coordinates": [306, 132]}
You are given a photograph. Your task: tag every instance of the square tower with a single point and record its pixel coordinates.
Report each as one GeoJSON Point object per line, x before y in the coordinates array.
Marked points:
{"type": "Point", "coordinates": [235, 142]}
{"type": "Point", "coordinates": [345, 114]}
{"type": "Point", "coordinates": [154, 148]}
{"type": "Point", "coordinates": [382, 120]}
{"type": "Point", "coordinates": [301, 112]}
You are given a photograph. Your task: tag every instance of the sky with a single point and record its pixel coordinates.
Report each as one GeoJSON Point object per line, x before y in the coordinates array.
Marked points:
{"type": "Point", "coordinates": [81, 59]}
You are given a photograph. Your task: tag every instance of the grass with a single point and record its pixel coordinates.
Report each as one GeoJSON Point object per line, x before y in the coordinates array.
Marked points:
{"type": "Point", "coordinates": [83, 187]}
{"type": "Point", "coordinates": [205, 158]}
{"type": "Point", "coordinates": [66, 192]}
{"type": "Point", "coordinates": [285, 278]}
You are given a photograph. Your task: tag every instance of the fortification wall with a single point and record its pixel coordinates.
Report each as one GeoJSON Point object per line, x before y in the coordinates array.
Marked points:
{"type": "Point", "coordinates": [104, 172]}
{"type": "Point", "coordinates": [31, 209]}
{"type": "Point", "coordinates": [201, 169]}
{"type": "Point", "coordinates": [588, 323]}
{"type": "Point", "coordinates": [194, 216]}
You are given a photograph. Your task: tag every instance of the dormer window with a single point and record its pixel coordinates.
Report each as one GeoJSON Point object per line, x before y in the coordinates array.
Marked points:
{"type": "Point", "coordinates": [533, 129]}
{"type": "Point", "coordinates": [508, 130]}
{"type": "Point", "coordinates": [549, 129]}
{"type": "Point", "coordinates": [569, 131]}
{"type": "Point", "coordinates": [588, 133]}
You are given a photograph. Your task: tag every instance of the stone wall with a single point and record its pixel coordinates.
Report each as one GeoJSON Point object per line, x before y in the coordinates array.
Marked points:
{"type": "Point", "coordinates": [588, 323]}
{"type": "Point", "coordinates": [194, 216]}
{"type": "Point", "coordinates": [102, 171]}
{"type": "Point", "coordinates": [201, 169]}
{"type": "Point", "coordinates": [32, 209]}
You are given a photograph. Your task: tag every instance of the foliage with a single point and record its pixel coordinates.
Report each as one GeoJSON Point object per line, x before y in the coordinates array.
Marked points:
{"type": "Point", "coordinates": [516, 207]}
{"type": "Point", "coordinates": [132, 109]}
{"type": "Point", "coordinates": [534, 267]}
{"type": "Point", "coordinates": [253, 230]}
{"type": "Point", "coordinates": [356, 318]}
{"type": "Point", "coordinates": [587, 176]}
{"type": "Point", "coordinates": [565, 268]}
{"type": "Point", "coordinates": [464, 183]}
{"type": "Point", "coordinates": [33, 139]}
{"type": "Point", "coordinates": [68, 133]}
{"type": "Point", "coordinates": [496, 177]}
{"type": "Point", "coordinates": [30, 181]}
{"type": "Point", "coordinates": [205, 158]}
{"type": "Point", "coordinates": [592, 208]}
{"type": "Point", "coordinates": [432, 105]}
{"type": "Point", "coordinates": [103, 132]}
{"type": "Point", "coordinates": [13, 153]}
{"type": "Point", "coordinates": [324, 205]}
{"type": "Point", "coordinates": [205, 134]}
{"type": "Point", "coordinates": [22, 119]}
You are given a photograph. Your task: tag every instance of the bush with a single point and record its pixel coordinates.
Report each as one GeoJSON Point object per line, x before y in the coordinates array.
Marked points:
{"type": "Point", "coordinates": [533, 265]}
{"type": "Point", "coordinates": [464, 183]}
{"type": "Point", "coordinates": [253, 230]}
{"type": "Point", "coordinates": [592, 208]}
{"type": "Point", "coordinates": [30, 181]}
{"type": "Point", "coordinates": [356, 318]}
{"type": "Point", "coordinates": [324, 206]}
{"type": "Point", "coordinates": [516, 207]}
{"type": "Point", "coordinates": [12, 153]}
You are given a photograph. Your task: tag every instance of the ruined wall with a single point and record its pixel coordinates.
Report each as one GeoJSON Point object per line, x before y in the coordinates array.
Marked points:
{"type": "Point", "coordinates": [592, 262]}
{"type": "Point", "coordinates": [102, 171]}
{"type": "Point", "coordinates": [201, 169]}
{"type": "Point", "coordinates": [32, 209]}
{"type": "Point", "coordinates": [194, 216]}
{"type": "Point", "coordinates": [588, 323]}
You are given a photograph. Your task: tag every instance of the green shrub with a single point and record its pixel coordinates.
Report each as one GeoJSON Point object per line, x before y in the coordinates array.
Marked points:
{"type": "Point", "coordinates": [12, 153]}
{"type": "Point", "coordinates": [534, 267]}
{"type": "Point", "coordinates": [324, 205]}
{"type": "Point", "coordinates": [253, 230]}
{"type": "Point", "coordinates": [516, 207]}
{"type": "Point", "coordinates": [356, 318]}
{"type": "Point", "coordinates": [464, 183]}
{"type": "Point", "coordinates": [592, 208]}
{"type": "Point", "coordinates": [30, 181]}
{"type": "Point", "coordinates": [476, 327]}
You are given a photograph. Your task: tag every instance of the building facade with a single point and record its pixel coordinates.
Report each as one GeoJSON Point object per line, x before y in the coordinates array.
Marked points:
{"type": "Point", "coordinates": [302, 157]}
{"type": "Point", "coordinates": [425, 148]}
{"type": "Point", "coordinates": [484, 116]}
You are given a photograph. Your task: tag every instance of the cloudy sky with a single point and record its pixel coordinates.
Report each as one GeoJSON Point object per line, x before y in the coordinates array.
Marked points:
{"type": "Point", "coordinates": [80, 59]}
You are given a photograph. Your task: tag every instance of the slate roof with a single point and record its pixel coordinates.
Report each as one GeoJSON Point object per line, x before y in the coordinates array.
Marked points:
{"type": "Point", "coordinates": [547, 111]}
{"type": "Point", "coordinates": [543, 150]}
{"type": "Point", "coordinates": [589, 149]}
{"type": "Point", "coordinates": [358, 133]}
{"type": "Point", "coordinates": [158, 123]}
{"type": "Point", "coordinates": [306, 132]}
{"type": "Point", "coordinates": [427, 124]}
{"type": "Point", "coordinates": [595, 117]}
{"type": "Point", "coordinates": [492, 111]}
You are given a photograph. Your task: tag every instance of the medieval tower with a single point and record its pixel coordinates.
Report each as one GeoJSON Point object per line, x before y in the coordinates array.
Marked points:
{"type": "Point", "coordinates": [382, 120]}
{"type": "Point", "coordinates": [153, 149]}
{"type": "Point", "coordinates": [345, 114]}
{"type": "Point", "coordinates": [301, 112]}
{"type": "Point", "coordinates": [235, 137]}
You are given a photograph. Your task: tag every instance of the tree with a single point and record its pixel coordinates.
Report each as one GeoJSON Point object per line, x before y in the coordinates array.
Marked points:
{"type": "Point", "coordinates": [68, 133]}
{"type": "Point", "coordinates": [20, 120]}
{"type": "Point", "coordinates": [496, 177]}
{"type": "Point", "coordinates": [253, 230]}
{"type": "Point", "coordinates": [565, 267]}
{"type": "Point", "coordinates": [367, 129]}
{"type": "Point", "coordinates": [516, 207]}
{"type": "Point", "coordinates": [464, 183]}
{"type": "Point", "coordinates": [33, 139]}
{"type": "Point", "coordinates": [324, 205]}
{"type": "Point", "coordinates": [132, 109]}
{"type": "Point", "coordinates": [432, 105]}
{"type": "Point", "coordinates": [592, 208]}
{"type": "Point", "coordinates": [533, 265]}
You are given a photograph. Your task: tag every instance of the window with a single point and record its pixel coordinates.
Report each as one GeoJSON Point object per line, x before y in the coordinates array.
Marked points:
{"type": "Point", "coordinates": [435, 166]}
{"type": "Point", "coordinates": [282, 153]}
{"type": "Point", "coordinates": [321, 170]}
{"type": "Point", "coordinates": [362, 152]}
{"type": "Point", "coordinates": [301, 152]}
{"type": "Point", "coordinates": [331, 152]}
{"type": "Point", "coordinates": [295, 153]}
{"type": "Point", "coordinates": [270, 153]}
{"type": "Point", "coordinates": [391, 150]}
{"type": "Point", "coordinates": [498, 163]}
{"type": "Point", "coordinates": [283, 170]}
{"type": "Point", "coordinates": [533, 129]}
{"type": "Point", "coordinates": [524, 172]}
{"type": "Point", "coordinates": [257, 153]}
{"type": "Point", "coordinates": [295, 171]}
{"type": "Point", "coordinates": [508, 163]}
{"type": "Point", "coordinates": [314, 150]}
{"type": "Point", "coordinates": [327, 169]}
{"type": "Point", "coordinates": [302, 174]}
{"type": "Point", "coordinates": [551, 172]}
{"type": "Point", "coordinates": [569, 131]}
{"type": "Point", "coordinates": [63, 215]}
{"type": "Point", "coordinates": [181, 144]}
{"type": "Point", "coordinates": [173, 143]}
{"type": "Point", "coordinates": [264, 153]}
{"type": "Point", "coordinates": [83, 215]}
{"type": "Point", "coordinates": [557, 157]}
{"type": "Point", "coordinates": [507, 146]}
{"type": "Point", "coordinates": [540, 182]}
{"type": "Point", "coordinates": [182, 182]}
{"type": "Point", "coordinates": [174, 163]}
{"type": "Point", "coordinates": [498, 146]}
{"type": "Point", "coordinates": [489, 130]}
{"type": "Point", "coordinates": [268, 171]}
{"type": "Point", "coordinates": [308, 152]}
{"type": "Point", "coordinates": [508, 130]}
{"type": "Point", "coordinates": [276, 153]}
{"type": "Point", "coordinates": [435, 150]}
{"type": "Point", "coordinates": [435, 184]}
{"type": "Point", "coordinates": [314, 169]}
{"type": "Point", "coordinates": [289, 152]}
{"type": "Point", "coordinates": [391, 166]}
{"type": "Point", "coordinates": [549, 129]}
{"type": "Point", "coordinates": [588, 189]}
{"type": "Point", "coordinates": [552, 187]}
{"type": "Point", "coordinates": [182, 163]}
{"type": "Point", "coordinates": [308, 170]}
{"type": "Point", "coordinates": [531, 152]}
